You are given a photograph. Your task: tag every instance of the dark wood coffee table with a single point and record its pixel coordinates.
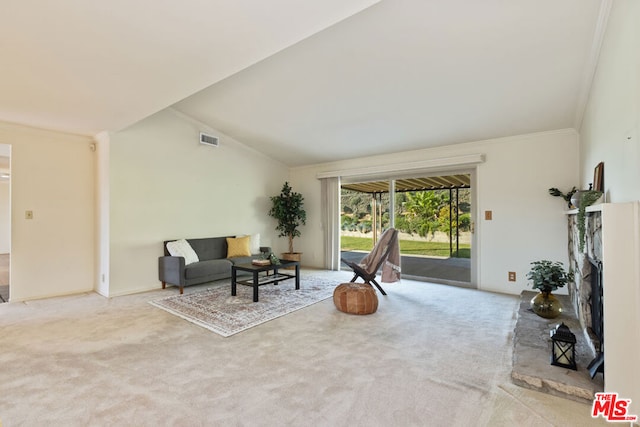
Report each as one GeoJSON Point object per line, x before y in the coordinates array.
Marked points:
{"type": "Point", "coordinates": [265, 279]}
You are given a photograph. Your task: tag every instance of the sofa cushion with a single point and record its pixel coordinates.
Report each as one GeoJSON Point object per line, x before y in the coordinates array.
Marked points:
{"type": "Point", "coordinates": [210, 247]}
{"type": "Point", "coordinates": [242, 259]}
{"type": "Point", "coordinates": [238, 246]}
{"type": "Point", "coordinates": [254, 246]}
{"type": "Point", "coordinates": [208, 268]}
{"type": "Point", "coordinates": [254, 242]}
{"type": "Point", "coordinates": [182, 248]}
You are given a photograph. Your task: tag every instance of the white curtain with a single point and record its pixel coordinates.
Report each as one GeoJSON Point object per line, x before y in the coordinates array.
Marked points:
{"type": "Point", "coordinates": [331, 221]}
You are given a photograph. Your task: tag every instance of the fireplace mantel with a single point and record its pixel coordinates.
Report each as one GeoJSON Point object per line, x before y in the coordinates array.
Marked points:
{"type": "Point", "coordinates": [592, 208]}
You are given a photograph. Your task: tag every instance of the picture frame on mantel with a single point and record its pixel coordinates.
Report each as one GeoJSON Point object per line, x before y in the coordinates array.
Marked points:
{"type": "Point", "coordinates": [598, 177]}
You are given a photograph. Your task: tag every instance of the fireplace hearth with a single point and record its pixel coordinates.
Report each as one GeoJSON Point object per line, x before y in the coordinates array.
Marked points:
{"type": "Point", "coordinates": [532, 366]}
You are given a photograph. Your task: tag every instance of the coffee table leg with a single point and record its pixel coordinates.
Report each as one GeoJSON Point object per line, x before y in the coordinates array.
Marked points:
{"type": "Point", "coordinates": [255, 286]}
{"type": "Point", "coordinates": [297, 276]}
{"type": "Point", "coordinates": [233, 281]}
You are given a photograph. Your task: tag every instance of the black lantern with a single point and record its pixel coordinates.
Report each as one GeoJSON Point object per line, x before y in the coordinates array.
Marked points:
{"type": "Point", "coordinates": [563, 347]}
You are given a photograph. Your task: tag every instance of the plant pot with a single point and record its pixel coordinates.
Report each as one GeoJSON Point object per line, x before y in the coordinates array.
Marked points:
{"type": "Point", "coordinates": [291, 256]}
{"type": "Point", "coordinates": [546, 305]}
{"type": "Point", "coordinates": [575, 198]}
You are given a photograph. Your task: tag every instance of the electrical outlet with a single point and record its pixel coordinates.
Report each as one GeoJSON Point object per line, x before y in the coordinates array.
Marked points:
{"type": "Point", "coordinates": [488, 215]}
{"type": "Point", "coordinates": [512, 276]}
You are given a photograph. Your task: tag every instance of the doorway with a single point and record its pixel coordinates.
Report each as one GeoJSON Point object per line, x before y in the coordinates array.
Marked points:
{"type": "Point", "coordinates": [5, 221]}
{"type": "Point", "coordinates": [432, 213]}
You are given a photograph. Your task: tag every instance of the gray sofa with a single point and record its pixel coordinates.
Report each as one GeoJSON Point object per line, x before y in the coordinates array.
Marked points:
{"type": "Point", "coordinates": [213, 264]}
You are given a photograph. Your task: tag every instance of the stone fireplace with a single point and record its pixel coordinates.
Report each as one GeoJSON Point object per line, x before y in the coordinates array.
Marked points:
{"type": "Point", "coordinates": [611, 253]}
{"type": "Point", "coordinates": [586, 290]}
{"type": "Point", "coordinates": [583, 314]}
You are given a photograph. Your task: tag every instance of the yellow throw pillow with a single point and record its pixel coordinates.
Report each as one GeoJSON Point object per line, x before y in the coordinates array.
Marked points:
{"type": "Point", "coordinates": [238, 246]}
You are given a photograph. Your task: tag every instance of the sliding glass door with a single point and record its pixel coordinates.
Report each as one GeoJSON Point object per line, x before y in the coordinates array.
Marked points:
{"type": "Point", "coordinates": [432, 213]}
{"type": "Point", "coordinates": [363, 218]}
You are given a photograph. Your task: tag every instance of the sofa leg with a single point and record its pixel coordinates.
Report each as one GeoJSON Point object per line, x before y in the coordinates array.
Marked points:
{"type": "Point", "coordinates": [164, 285]}
{"type": "Point", "coordinates": [181, 289]}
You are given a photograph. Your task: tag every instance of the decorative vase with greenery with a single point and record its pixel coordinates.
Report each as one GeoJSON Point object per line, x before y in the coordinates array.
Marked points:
{"type": "Point", "coordinates": [288, 209]}
{"type": "Point", "coordinates": [547, 276]}
{"type": "Point", "coordinates": [566, 196]}
{"type": "Point", "coordinates": [587, 198]}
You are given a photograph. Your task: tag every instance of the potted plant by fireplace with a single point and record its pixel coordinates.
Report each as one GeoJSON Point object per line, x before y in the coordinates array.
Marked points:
{"type": "Point", "coordinates": [288, 209]}
{"type": "Point", "coordinates": [547, 276]}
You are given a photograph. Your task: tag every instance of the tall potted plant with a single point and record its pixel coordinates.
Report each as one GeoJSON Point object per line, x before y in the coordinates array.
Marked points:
{"type": "Point", "coordinates": [547, 276]}
{"type": "Point", "coordinates": [288, 209]}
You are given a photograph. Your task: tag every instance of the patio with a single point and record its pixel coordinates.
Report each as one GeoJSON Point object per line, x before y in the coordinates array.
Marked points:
{"type": "Point", "coordinates": [449, 271]}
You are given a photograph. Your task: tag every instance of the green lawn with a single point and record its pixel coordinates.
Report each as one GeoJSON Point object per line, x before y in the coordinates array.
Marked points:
{"type": "Point", "coordinates": [407, 247]}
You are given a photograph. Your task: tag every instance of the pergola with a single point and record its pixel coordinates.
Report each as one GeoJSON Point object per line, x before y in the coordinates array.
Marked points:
{"type": "Point", "coordinates": [448, 182]}
{"type": "Point", "coordinates": [413, 184]}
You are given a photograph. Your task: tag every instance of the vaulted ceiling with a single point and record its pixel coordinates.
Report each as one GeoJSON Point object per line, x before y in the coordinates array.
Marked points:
{"type": "Point", "coordinates": [305, 82]}
{"type": "Point", "coordinates": [88, 66]}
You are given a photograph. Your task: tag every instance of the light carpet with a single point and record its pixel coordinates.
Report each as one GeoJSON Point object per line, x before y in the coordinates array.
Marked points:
{"type": "Point", "coordinates": [215, 309]}
{"type": "Point", "coordinates": [432, 355]}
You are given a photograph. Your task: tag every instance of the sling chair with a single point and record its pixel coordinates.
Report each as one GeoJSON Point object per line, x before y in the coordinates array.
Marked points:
{"type": "Point", "coordinates": [368, 267]}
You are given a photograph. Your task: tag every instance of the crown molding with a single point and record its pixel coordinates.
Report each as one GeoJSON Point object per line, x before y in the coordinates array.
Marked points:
{"type": "Point", "coordinates": [592, 61]}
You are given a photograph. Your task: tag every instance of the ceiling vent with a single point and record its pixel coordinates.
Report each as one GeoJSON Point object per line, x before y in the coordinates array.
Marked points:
{"type": "Point", "coordinates": [208, 140]}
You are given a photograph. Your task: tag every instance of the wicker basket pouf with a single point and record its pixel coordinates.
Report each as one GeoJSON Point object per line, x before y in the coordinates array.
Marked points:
{"type": "Point", "coordinates": [355, 298]}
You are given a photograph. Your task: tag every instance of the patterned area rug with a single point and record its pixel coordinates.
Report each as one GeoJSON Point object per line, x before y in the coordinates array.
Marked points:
{"type": "Point", "coordinates": [218, 311]}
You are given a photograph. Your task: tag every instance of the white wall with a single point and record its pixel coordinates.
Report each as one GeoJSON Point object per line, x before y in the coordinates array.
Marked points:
{"type": "Point", "coordinates": [609, 133]}
{"type": "Point", "coordinates": [5, 217]}
{"type": "Point", "coordinates": [165, 185]}
{"type": "Point", "coordinates": [528, 224]}
{"type": "Point", "coordinates": [102, 213]}
{"type": "Point", "coordinates": [5, 205]}
{"type": "Point", "coordinates": [610, 129]}
{"type": "Point", "coordinates": [52, 174]}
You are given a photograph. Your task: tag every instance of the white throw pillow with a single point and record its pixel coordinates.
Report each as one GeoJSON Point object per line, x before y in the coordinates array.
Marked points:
{"type": "Point", "coordinates": [254, 243]}
{"type": "Point", "coordinates": [183, 248]}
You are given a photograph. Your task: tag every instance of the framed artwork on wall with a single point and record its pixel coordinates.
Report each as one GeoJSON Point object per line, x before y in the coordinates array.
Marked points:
{"type": "Point", "coordinates": [598, 177]}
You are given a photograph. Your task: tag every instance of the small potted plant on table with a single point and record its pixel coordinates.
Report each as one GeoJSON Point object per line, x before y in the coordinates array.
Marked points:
{"type": "Point", "coordinates": [547, 276]}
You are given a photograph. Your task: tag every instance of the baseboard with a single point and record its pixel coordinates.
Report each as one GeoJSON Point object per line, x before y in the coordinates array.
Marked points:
{"type": "Point", "coordinates": [47, 296]}
{"type": "Point", "coordinates": [137, 290]}
{"type": "Point", "coordinates": [438, 281]}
